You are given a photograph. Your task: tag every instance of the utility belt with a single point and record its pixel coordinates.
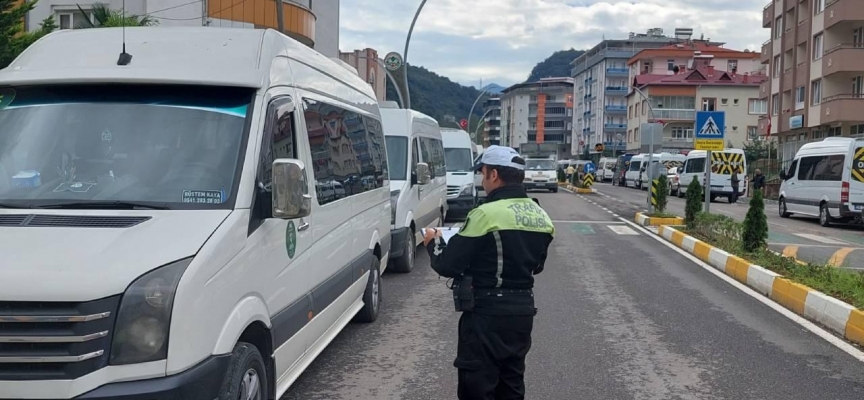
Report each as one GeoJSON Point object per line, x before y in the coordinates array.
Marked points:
{"type": "Point", "coordinates": [465, 295]}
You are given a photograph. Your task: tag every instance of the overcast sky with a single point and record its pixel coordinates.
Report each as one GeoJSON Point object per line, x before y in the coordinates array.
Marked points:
{"type": "Point", "coordinates": [501, 40]}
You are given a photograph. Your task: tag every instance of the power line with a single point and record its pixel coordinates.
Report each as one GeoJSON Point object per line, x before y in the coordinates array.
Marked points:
{"type": "Point", "coordinates": [197, 18]}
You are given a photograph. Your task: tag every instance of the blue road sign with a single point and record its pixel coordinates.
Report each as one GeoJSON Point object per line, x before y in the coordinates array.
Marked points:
{"type": "Point", "coordinates": [590, 168]}
{"type": "Point", "coordinates": [710, 124]}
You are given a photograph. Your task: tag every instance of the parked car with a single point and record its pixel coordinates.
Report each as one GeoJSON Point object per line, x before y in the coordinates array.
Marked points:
{"type": "Point", "coordinates": [673, 179]}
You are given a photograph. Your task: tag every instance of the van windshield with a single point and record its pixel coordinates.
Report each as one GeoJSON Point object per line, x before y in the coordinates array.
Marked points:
{"type": "Point", "coordinates": [635, 165]}
{"type": "Point", "coordinates": [121, 146]}
{"type": "Point", "coordinates": [542, 165]}
{"type": "Point", "coordinates": [458, 160]}
{"type": "Point", "coordinates": [397, 157]}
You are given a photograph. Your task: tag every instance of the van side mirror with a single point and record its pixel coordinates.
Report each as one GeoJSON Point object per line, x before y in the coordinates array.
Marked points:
{"type": "Point", "coordinates": [290, 190]}
{"type": "Point", "coordinates": [783, 175]}
{"type": "Point", "coordinates": [423, 174]}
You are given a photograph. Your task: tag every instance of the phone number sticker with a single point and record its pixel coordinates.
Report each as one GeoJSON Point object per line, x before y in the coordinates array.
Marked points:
{"type": "Point", "coordinates": [203, 196]}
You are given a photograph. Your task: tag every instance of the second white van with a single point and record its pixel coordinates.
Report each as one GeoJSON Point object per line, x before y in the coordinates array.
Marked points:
{"type": "Point", "coordinates": [606, 169]}
{"type": "Point", "coordinates": [723, 163]}
{"type": "Point", "coordinates": [633, 177]}
{"type": "Point", "coordinates": [417, 201]}
{"type": "Point", "coordinates": [461, 186]}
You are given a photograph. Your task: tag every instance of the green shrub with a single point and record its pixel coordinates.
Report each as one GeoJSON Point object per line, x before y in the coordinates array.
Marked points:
{"type": "Point", "coordinates": [755, 229]}
{"type": "Point", "coordinates": [562, 176]}
{"type": "Point", "coordinates": [694, 203]}
{"type": "Point", "coordinates": [662, 194]}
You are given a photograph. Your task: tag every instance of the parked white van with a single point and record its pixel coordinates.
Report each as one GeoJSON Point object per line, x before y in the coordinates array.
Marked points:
{"type": "Point", "coordinates": [633, 177]}
{"type": "Point", "coordinates": [826, 179]}
{"type": "Point", "coordinates": [667, 160]}
{"type": "Point", "coordinates": [161, 231]}
{"type": "Point", "coordinates": [606, 169]}
{"type": "Point", "coordinates": [722, 165]}
{"type": "Point", "coordinates": [416, 202]}
{"type": "Point", "coordinates": [459, 151]}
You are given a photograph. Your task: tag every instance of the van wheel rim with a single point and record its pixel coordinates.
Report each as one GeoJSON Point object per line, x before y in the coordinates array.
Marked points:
{"type": "Point", "coordinates": [375, 289]}
{"type": "Point", "coordinates": [824, 215]}
{"type": "Point", "coordinates": [250, 386]}
{"type": "Point", "coordinates": [410, 251]}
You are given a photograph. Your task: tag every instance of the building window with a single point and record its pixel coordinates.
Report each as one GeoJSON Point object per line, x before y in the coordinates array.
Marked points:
{"type": "Point", "coordinates": [724, 101]}
{"type": "Point", "coordinates": [757, 107]}
{"type": "Point", "coordinates": [858, 85]}
{"type": "Point", "coordinates": [819, 6]}
{"type": "Point", "coordinates": [735, 102]}
{"type": "Point", "coordinates": [818, 46]}
{"type": "Point", "coordinates": [775, 104]}
{"type": "Point", "coordinates": [670, 65]}
{"type": "Point", "coordinates": [776, 66]}
{"type": "Point", "coordinates": [752, 132]}
{"type": "Point", "coordinates": [800, 95]}
{"type": "Point", "coordinates": [681, 132]}
{"type": "Point", "coordinates": [778, 27]}
{"type": "Point", "coordinates": [709, 104]}
{"type": "Point", "coordinates": [74, 19]}
{"type": "Point", "coordinates": [732, 65]}
{"type": "Point", "coordinates": [816, 92]}
{"type": "Point", "coordinates": [858, 37]}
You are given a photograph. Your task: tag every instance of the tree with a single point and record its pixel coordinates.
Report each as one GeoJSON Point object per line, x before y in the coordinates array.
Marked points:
{"type": "Point", "coordinates": [755, 235]}
{"type": "Point", "coordinates": [556, 65]}
{"type": "Point", "coordinates": [694, 203]}
{"type": "Point", "coordinates": [662, 194]}
{"type": "Point", "coordinates": [107, 18]}
{"type": "Point", "coordinates": [13, 38]}
{"type": "Point", "coordinates": [759, 150]}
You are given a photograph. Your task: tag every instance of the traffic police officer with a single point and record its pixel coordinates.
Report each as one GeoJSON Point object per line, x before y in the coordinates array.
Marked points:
{"type": "Point", "coordinates": [493, 260]}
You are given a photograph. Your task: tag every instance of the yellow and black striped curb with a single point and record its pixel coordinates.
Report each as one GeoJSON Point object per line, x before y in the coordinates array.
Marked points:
{"type": "Point", "coordinates": [834, 314]}
{"type": "Point", "coordinates": [579, 190]}
{"type": "Point", "coordinates": [645, 220]}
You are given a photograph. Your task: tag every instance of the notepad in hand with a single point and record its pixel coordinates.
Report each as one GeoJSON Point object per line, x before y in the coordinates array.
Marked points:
{"type": "Point", "coordinates": [446, 233]}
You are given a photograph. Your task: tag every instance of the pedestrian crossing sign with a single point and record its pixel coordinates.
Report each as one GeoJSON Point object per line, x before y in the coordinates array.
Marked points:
{"type": "Point", "coordinates": [710, 124]}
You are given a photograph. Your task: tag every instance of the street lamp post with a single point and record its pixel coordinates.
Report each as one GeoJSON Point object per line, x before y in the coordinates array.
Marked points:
{"type": "Point", "coordinates": [482, 92]}
{"type": "Point", "coordinates": [405, 54]}
{"type": "Point", "coordinates": [392, 80]}
{"type": "Point", "coordinates": [650, 148]}
{"type": "Point", "coordinates": [481, 122]}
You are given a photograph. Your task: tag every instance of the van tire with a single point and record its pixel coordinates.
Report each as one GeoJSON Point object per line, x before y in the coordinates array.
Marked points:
{"type": "Point", "coordinates": [405, 263]}
{"type": "Point", "coordinates": [679, 193]}
{"type": "Point", "coordinates": [784, 212]}
{"type": "Point", "coordinates": [371, 295]}
{"type": "Point", "coordinates": [824, 215]}
{"type": "Point", "coordinates": [245, 372]}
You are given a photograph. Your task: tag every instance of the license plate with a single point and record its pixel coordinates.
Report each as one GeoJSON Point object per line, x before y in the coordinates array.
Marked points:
{"type": "Point", "coordinates": [538, 175]}
{"type": "Point", "coordinates": [858, 207]}
{"type": "Point", "coordinates": [716, 187]}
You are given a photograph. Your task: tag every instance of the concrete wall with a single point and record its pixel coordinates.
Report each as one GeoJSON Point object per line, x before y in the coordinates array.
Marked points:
{"type": "Point", "coordinates": [326, 26]}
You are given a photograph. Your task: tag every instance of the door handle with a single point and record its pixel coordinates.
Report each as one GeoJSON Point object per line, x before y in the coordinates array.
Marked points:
{"type": "Point", "coordinates": [304, 226]}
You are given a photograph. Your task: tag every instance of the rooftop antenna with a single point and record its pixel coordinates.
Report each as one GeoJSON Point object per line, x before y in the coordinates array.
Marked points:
{"type": "Point", "coordinates": [125, 58]}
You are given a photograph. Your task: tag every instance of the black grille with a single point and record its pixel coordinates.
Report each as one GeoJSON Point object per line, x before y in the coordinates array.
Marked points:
{"type": "Point", "coordinates": [69, 221]}
{"type": "Point", "coordinates": [49, 330]}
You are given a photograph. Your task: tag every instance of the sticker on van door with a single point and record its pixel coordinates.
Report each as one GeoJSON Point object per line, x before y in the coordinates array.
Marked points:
{"type": "Point", "coordinates": [725, 163]}
{"type": "Point", "coordinates": [858, 165]}
{"type": "Point", "coordinates": [291, 239]}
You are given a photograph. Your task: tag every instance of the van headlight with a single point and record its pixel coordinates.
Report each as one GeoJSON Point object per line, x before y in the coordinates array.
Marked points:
{"type": "Point", "coordinates": [394, 199]}
{"type": "Point", "coordinates": [144, 318]}
{"type": "Point", "coordinates": [467, 190]}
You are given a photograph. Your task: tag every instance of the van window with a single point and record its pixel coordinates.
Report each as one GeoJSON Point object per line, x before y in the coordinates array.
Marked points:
{"type": "Point", "coordinates": [79, 146]}
{"type": "Point", "coordinates": [458, 160]}
{"type": "Point", "coordinates": [635, 165]}
{"type": "Point", "coordinates": [433, 154]}
{"type": "Point", "coordinates": [695, 166]}
{"type": "Point", "coordinates": [397, 157]}
{"type": "Point", "coordinates": [415, 155]}
{"type": "Point", "coordinates": [821, 168]}
{"type": "Point", "coordinates": [792, 168]}
{"type": "Point", "coordinates": [347, 150]}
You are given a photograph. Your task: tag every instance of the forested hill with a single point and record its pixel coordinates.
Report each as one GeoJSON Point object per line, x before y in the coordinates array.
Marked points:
{"type": "Point", "coordinates": [557, 65]}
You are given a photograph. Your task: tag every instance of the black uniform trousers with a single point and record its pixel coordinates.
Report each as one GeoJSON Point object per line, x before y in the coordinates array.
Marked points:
{"type": "Point", "coordinates": [491, 355]}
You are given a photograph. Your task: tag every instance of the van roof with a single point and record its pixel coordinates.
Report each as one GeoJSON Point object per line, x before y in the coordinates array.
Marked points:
{"type": "Point", "coordinates": [831, 144]}
{"type": "Point", "coordinates": [455, 138]}
{"type": "Point", "coordinates": [702, 153]}
{"type": "Point", "coordinates": [393, 118]}
{"type": "Point", "coordinates": [168, 55]}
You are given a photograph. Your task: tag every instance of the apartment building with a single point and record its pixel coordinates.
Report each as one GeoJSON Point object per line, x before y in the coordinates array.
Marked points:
{"type": "Point", "coordinates": [311, 22]}
{"type": "Point", "coordinates": [538, 112]}
{"type": "Point", "coordinates": [492, 119]}
{"type": "Point", "coordinates": [602, 82]}
{"type": "Point", "coordinates": [370, 68]}
{"type": "Point", "coordinates": [673, 97]}
{"type": "Point", "coordinates": [816, 58]}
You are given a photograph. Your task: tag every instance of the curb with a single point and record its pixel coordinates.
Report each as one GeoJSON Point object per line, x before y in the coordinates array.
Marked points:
{"type": "Point", "coordinates": [840, 317]}
{"type": "Point", "coordinates": [578, 190]}
{"type": "Point", "coordinates": [645, 220]}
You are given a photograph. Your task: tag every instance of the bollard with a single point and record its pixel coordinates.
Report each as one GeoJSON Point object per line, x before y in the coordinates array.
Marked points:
{"type": "Point", "coordinates": [654, 185]}
{"type": "Point", "coordinates": [588, 181]}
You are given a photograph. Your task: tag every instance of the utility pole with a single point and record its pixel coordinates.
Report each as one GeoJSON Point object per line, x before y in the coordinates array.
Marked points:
{"type": "Point", "coordinates": [405, 54]}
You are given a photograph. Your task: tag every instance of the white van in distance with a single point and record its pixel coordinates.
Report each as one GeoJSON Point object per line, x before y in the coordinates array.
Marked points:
{"type": "Point", "coordinates": [723, 163]}
{"type": "Point", "coordinates": [606, 169]}
{"type": "Point", "coordinates": [826, 179]}
{"type": "Point", "coordinates": [459, 151]}
{"type": "Point", "coordinates": [541, 174]}
{"type": "Point", "coordinates": [633, 176]}
{"type": "Point", "coordinates": [172, 240]}
{"type": "Point", "coordinates": [417, 200]}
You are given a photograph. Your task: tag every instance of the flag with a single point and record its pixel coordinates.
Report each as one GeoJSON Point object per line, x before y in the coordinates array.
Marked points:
{"type": "Point", "coordinates": [768, 132]}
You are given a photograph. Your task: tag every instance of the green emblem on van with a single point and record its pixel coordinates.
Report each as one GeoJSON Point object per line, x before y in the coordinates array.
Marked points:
{"type": "Point", "coordinates": [291, 239]}
{"type": "Point", "coordinates": [6, 97]}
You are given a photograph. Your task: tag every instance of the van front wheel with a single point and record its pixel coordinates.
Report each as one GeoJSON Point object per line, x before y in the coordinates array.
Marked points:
{"type": "Point", "coordinates": [372, 295]}
{"type": "Point", "coordinates": [246, 378]}
{"type": "Point", "coordinates": [824, 216]}
{"type": "Point", "coordinates": [784, 212]}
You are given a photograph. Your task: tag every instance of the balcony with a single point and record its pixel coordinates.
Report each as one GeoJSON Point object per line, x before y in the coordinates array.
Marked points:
{"type": "Point", "coordinates": [614, 109]}
{"type": "Point", "coordinates": [589, 96]}
{"type": "Point", "coordinates": [616, 90]}
{"type": "Point", "coordinates": [614, 127]}
{"type": "Point", "coordinates": [765, 89]}
{"type": "Point", "coordinates": [843, 58]}
{"type": "Point", "coordinates": [611, 52]}
{"type": "Point", "coordinates": [844, 107]}
{"type": "Point", "coordinates": [766, 52]}
{"type": "Point", "coordinates": [837, 11]}
{"type": "Point", "coordinates": [588, 80]}
{"type": "Point", "coordinates": [615, 146]}
{"type": "Point", "coordinates": [768, 15]}
{"type": "Point", "coordinates": [617, 72]}
{"type": "Point", "coordinates": [671, 114]}
{"type": "Point", "coordinates": [803, 33]}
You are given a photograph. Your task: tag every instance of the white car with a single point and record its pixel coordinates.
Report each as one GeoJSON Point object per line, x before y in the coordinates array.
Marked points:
{"type": "Point", "coordinates": [172, 240]}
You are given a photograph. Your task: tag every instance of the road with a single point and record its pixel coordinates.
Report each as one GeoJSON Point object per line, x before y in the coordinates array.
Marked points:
{"type": "Point", "coordinates": [802, 237]}
{"type": "Point", "coordinates": [622, 316]}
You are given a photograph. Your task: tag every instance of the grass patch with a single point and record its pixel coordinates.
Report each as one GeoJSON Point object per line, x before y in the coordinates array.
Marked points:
{"type": "Point", "coordinates": [844, 285]}
{"type": "Point", "coordinates": [662, 215]}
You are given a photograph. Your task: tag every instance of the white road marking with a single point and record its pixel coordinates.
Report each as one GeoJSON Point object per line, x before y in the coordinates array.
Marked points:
{"type": "Point", "coordinates": [820, 239]}
{"type": "Point", "coordinates": [818, 331]}
{"type": "Point", "coordinates": [622, 230]}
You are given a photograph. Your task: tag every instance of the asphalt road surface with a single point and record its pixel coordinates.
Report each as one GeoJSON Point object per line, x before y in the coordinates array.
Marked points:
{"type": "Point", "coordinates": [622, 316]}
{"type": "Point", "coordinates": [841, 245]}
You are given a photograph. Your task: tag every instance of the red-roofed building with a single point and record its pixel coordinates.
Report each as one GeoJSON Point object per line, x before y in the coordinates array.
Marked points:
{"type": "Point", "coordinates": [676, 96]}
{"type": "Point", "coordinates": [664, 60]}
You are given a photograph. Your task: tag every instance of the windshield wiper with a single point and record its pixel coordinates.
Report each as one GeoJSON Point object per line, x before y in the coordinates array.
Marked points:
{"type": "Point", "coordinates": [105, 204]}
{"type": "Point", "coordinates": [12, 206]}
